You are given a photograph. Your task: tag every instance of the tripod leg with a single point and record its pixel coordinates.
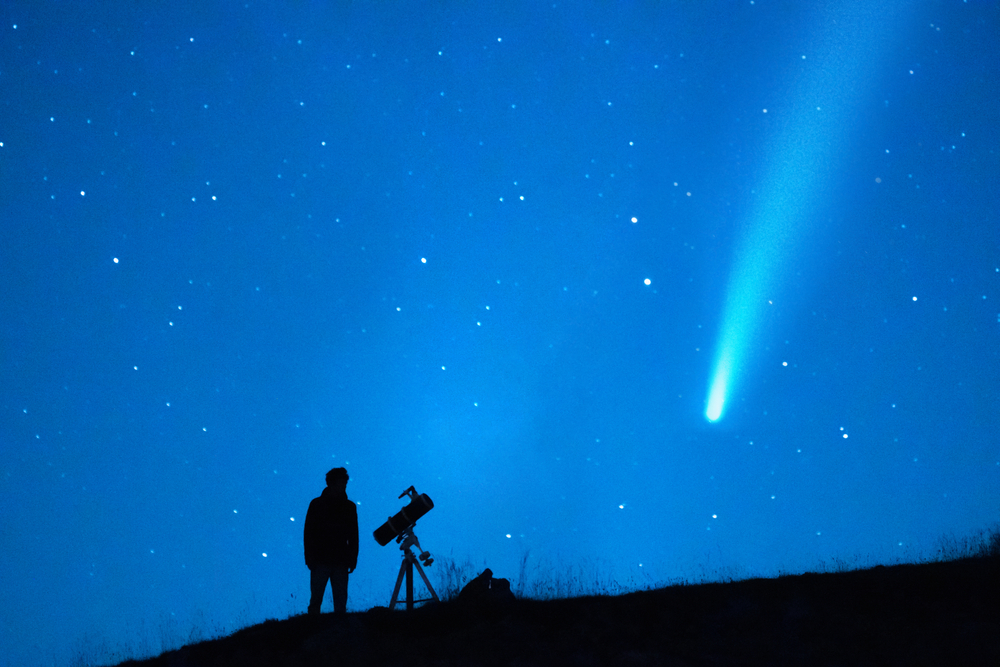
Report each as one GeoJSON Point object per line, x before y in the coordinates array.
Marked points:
{"type": "Point", "coordinates": [426, 581]}
{"type": "Point", "coordinates": [409, 583]}
{"type": "Point", "coordinates": [399, 580]}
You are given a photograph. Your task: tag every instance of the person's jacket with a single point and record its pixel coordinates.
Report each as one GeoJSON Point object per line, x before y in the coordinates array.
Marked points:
{"type": "Point", "coordinates": [331, 531]}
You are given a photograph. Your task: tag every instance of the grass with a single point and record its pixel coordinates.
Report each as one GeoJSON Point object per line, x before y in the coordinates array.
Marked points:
{"type": "Point", "coordinates": [983, 544]}
{"type": "Point", "coordinates": [537, 579]}
{"type": "Point", "coordinates": [940, 610]}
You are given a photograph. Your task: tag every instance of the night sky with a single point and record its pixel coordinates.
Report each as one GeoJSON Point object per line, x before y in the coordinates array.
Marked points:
{"type": "Point", "coordinates": [488, 252]}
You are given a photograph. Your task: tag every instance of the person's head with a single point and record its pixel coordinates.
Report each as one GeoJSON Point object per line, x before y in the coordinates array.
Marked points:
{"type": "Point", "coordinates": [337, 478]}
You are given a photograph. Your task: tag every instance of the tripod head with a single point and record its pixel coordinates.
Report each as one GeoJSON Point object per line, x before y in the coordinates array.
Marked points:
{"type": "Point", "coordinates": [408, 539]}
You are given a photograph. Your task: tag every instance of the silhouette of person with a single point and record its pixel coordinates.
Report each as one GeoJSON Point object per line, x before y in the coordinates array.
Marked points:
{"type": "Point", "coordinates": [331, 542]}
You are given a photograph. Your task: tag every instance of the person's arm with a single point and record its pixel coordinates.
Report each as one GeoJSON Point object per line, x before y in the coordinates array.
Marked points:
{"type": "Point", "coordinates": [354, 539]}
{"type": "Point", "coordinates": [309, 538]}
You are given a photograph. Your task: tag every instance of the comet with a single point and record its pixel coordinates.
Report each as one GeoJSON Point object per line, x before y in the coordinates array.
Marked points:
{"type": "Point", "coordinates": [814, 126]}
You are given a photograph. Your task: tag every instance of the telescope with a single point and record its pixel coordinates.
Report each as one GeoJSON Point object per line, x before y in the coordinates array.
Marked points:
{"type": "Point", "coordinates": [400, 527]}
{"type": "Point", "coordinates": [405, 518]}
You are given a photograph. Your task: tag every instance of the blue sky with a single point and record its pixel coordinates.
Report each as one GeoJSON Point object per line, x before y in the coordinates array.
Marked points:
{"type": "Point", "coordinates": [489, 253]}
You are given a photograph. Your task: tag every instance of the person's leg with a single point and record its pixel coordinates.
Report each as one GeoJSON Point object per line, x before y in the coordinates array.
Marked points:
{"type": "Point", "coordinates": [338, 586]}
{"type": "Point", "coordinates": [317, 587]}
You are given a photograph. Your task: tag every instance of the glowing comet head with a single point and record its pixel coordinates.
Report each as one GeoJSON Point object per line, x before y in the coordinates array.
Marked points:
{"type": "Point", "coordinates": [717, 392]}
{"type": "Point", "coordinates": [716, 399]}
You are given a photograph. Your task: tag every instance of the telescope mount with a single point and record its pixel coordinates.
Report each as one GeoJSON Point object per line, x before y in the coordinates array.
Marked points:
{"type": "Point", "coordinates": [408, 539]}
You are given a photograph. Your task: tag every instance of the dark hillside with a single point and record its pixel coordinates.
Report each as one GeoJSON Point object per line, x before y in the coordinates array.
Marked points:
{"type": "Point", "coordinates": [925, 614]}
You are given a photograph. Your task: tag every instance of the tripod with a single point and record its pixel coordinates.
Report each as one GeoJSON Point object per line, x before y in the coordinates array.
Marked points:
{"type": "Point", "coordinates": [408, 539]}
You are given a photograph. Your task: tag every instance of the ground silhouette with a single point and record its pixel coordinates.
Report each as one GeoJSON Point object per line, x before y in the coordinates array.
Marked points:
{"type": "Point", "coordinates": [941, 613]}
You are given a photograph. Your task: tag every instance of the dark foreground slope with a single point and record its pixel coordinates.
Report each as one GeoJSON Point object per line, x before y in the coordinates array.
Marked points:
{"type": "Point", "coordinates": [926, 614]}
